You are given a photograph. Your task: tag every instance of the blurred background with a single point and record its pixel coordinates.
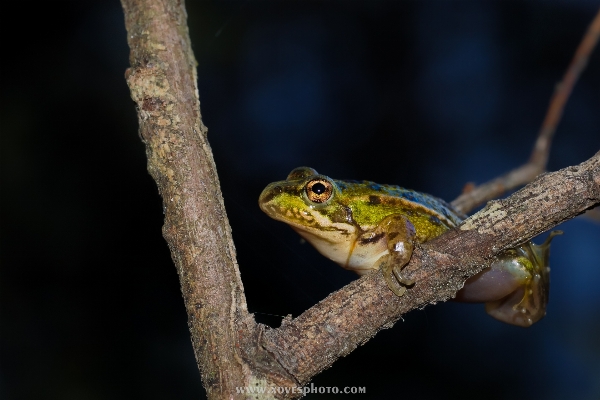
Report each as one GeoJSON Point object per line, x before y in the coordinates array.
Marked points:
{"type": "Point", "coordinates": [426, 95]}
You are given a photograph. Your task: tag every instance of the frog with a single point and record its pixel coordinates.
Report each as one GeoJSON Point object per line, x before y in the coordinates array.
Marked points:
{"type": "Point", "coordinates": [364, 227]}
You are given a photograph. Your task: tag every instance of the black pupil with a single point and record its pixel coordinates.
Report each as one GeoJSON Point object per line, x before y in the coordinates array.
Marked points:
{"type": "Point", "coordinates": [318, 188]}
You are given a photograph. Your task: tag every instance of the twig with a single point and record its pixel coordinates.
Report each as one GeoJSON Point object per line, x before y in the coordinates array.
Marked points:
{"type": "Point", "coordinates": [539, 156]}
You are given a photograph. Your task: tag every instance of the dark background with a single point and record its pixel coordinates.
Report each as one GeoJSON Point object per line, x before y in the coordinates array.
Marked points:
{"type": "Point", "coordinates": [427, 95]}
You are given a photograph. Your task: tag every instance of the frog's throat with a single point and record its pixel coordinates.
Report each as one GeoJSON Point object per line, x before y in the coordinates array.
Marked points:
{"type": "Point", "coordinates": [335, 243]}
{"type": "Point", "coordinates": [345, 248]}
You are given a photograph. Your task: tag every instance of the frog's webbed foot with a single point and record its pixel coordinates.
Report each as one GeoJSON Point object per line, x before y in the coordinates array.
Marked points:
{"type": "Point", "coordinates": [400, 235]}
{"type": "Point", "coordinates": [516, 286]}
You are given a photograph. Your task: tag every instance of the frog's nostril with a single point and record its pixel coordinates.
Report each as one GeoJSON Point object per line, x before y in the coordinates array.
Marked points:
{"type": "Point", "coordinates": [268, 194]}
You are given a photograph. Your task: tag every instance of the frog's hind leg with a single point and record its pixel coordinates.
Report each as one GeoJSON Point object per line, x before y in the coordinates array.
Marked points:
{"type": "Point", "coordinates": [515, 288]}
{"type": "Point", "coordinates": [400, 236]}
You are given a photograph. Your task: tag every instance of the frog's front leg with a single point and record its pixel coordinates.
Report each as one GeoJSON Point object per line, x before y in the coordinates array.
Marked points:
{"type": "Point", "coordinates": [400, 237]}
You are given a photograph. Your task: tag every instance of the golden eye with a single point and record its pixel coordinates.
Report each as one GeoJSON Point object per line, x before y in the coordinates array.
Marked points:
{"type": "Point", "coordinates": [319, 190]}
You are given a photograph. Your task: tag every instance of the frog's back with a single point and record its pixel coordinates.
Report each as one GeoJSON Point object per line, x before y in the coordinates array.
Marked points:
{"type": "Point", "coordinates": [424, 201]}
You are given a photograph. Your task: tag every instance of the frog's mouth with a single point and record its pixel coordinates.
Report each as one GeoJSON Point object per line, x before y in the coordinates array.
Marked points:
{"type": "Point", "coordinates": [311, 221]}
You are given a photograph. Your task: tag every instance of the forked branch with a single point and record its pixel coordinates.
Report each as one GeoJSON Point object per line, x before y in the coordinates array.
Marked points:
{"type": "Point", "coordinates": [231, 349]}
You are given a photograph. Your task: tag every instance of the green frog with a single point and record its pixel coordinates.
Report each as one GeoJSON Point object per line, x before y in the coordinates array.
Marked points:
{"type": "Point", "coordinates": [364, 226]}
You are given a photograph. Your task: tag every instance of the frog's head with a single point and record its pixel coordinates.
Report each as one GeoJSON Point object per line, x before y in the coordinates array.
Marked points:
{"type": "Point", "coordinates": [313, 205]}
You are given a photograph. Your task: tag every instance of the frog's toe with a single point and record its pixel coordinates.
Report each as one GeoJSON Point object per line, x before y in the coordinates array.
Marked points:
{"type": "Point", "coordinates": [522, 307]}
{"type": "Point", "coordinates": [394, 286]}
{"type": "Point", "coordinates": [394, 279]}
{"type": "Point", "coordinates": [400, 278]}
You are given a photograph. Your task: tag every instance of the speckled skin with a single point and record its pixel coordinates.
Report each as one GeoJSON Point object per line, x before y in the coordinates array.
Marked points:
{"type": "Point", "coordinates": [365, 226]}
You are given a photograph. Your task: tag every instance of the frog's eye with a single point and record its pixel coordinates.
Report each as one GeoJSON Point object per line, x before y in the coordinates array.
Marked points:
{"type": "Point", "coordinates": [319, 190]}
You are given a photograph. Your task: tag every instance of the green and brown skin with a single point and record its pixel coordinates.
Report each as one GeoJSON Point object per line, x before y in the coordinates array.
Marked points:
{"type": "Point", "coordinates": [364, 226]}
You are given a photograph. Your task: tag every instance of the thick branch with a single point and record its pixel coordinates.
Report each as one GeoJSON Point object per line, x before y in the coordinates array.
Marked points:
{"type": "Point", "coordinates": [162, 79]}
{"type": "Point", "coordinates": [351, 316]}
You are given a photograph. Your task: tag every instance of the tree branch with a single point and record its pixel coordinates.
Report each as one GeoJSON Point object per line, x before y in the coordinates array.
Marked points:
{"type": "Point", "coordinates": [230, 348]}
{"type": "Point", "coordinates": [354, 314]}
